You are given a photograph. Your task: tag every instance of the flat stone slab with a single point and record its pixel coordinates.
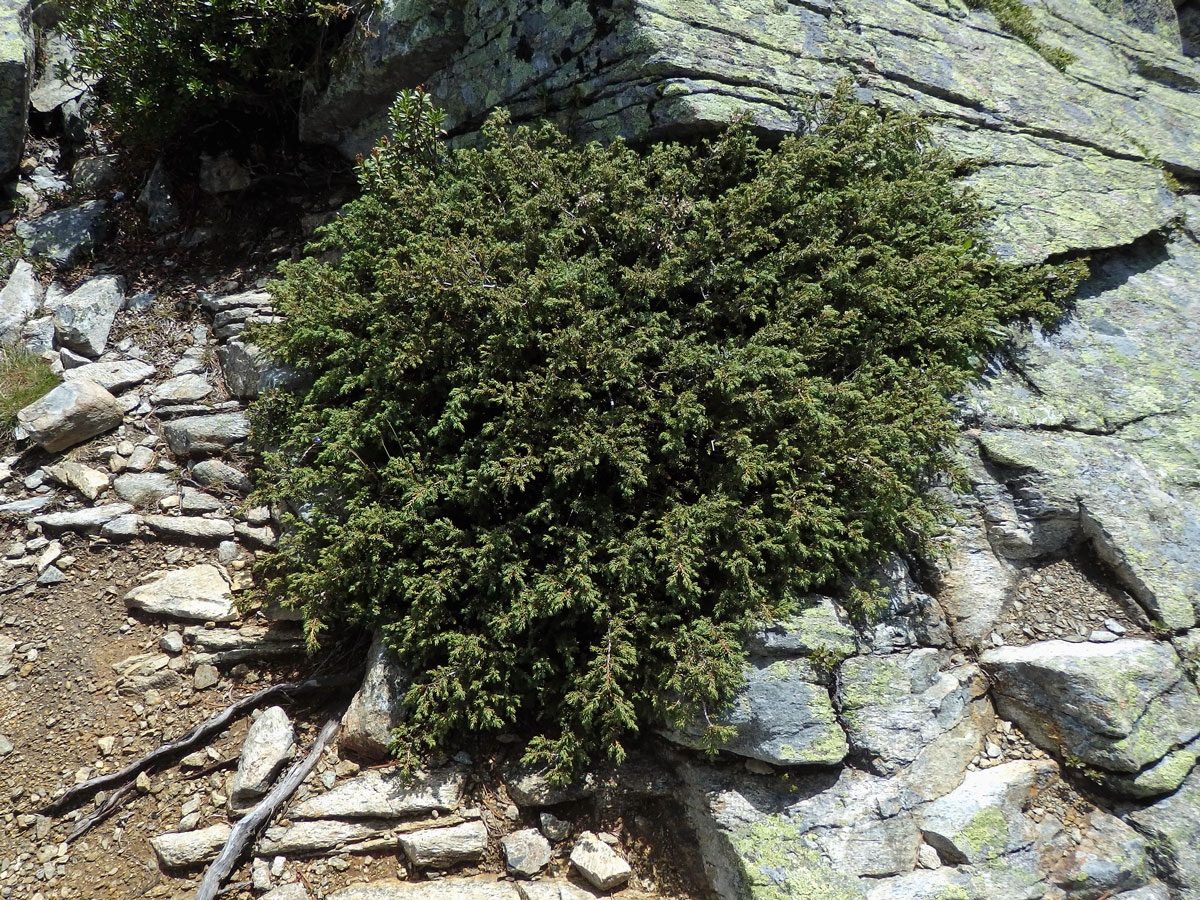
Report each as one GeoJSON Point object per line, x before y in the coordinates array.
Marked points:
{"type": "Point", "coordinates": [85, 520]}
{"type": "Point", "coordinates": [440, 848]}
{"type": "Point", "coordinates": [114, 376]}
{"type": "Point", "coordinates": [203, 435]}
{"type": "Point", "coordinates": [190, 528]}
{"type": "Point", "coordinates": [445, 889]}
{"type": "Point", "coordinates": [384, 795]}
{"type": "Point", "coordinates": [180, 850]}
{"type": "Point", "coordinates": [145, 488]}
{"type": "Point", "coordinates": [200, 592]}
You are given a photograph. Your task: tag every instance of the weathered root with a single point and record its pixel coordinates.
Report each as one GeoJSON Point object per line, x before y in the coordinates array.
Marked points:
{"type": "Point", "coordinates": [170, 751]}
{"type": "Point", "coordinates": [250, 824]}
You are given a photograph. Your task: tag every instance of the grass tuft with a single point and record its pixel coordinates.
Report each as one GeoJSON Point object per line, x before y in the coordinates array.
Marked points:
{"type": "Point", "coordinates": [24, 377]}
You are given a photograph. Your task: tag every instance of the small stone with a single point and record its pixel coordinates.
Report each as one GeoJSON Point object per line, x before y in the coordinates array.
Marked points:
{"type": "Point", "coordinates": [927, 857]}
{"type": "Point", "coordinates": [52, 575]}
{"type": "Point", "coordinates": [599, 863]}
{"type": "Point", "coordinates": [554, 828]}
{"type": "Point", "coordinates": [206, 676]}
{"type": "Point", "coordinates": [141, 459]}
{"type": "Point", "coordinates": [106, 745]}
{"type": "Point", "coordinates": [171, 642]}
{"type": "Point", "coordinates": [1114, 626]}
{"type": "Point", "coordinates": [1102, 637]}
{"type": "Point", "coordinates": [227, 552]}
{"type": "Point", "coordinates": [526, 852]}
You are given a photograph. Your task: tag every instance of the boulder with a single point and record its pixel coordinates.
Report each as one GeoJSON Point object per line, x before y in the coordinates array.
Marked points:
{"type": "Point", "coordinates": [1120, 707]}
{"type": "Point", "coordinates": [93, 174]}
{"type": "Point", "coordinates": [376, 708]}
{"type": "Point", "coordinates": [820, 627]}
{"type": "Point", "coordinates": [70, 414]}
{"type": "Point", "coordinates": [599, 863]}
{"type": "Point", "coordinates": [222, 174]}
{"type": "Point", "coordinates": [201, 592]}
{"type": "Point", "coordinates": [17, 58]}
{"type": "Point", "coordinates": [84, 317]}
{"type": "Point", "coordinates": [20, 299]}
{"type": "Point", "coordinates": [269, 744]}
{"type": "Point", "coordinates": [184, 849]}
{"type": "Point", "coordinates": [66, 236]}
{"type": "Point", "coordinates": [114, 376]}
{"type": "Point", "coordinates": [783, 716]}
{"type": "Point", "coordinates": [384, 795]}
{"type": "Point", "coordinates": [203, 435]}
{"type": "Point", "coordinates": [441, 848]}
{"type": "Point", "coordinates": [157, 201]}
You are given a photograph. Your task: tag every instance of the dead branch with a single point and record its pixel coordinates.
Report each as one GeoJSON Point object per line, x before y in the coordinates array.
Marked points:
{"type": "Point", "coordinates": [252, 822]}
{"type": "Point", "coordinates": [207, 728]}
{"type": "Point", "coordinates": [115, 801]}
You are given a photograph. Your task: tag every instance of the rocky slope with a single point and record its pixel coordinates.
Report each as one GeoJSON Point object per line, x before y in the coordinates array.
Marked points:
{"type": "Point", "coordinates": [1023, 722]}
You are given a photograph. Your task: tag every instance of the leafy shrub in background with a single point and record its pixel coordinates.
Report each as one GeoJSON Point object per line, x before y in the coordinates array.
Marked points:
{"type": "Point", "coordinates": [171, 65]}
{"type": "Point", "coordinates": [580, 416]}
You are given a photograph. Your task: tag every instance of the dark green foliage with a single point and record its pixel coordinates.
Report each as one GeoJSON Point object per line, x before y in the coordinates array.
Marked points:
{"type": "Point", "coordinates": [171, 64]}
{"type": "Point", "coordinates": [1017, 19]}
{"type": "Point", "coordinates": [580, 416]}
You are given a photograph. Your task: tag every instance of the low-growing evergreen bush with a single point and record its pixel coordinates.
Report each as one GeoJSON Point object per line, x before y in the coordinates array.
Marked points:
{"type": "Point", "coordinates": [171, 66]}
{"type": "Point", "coordinates": [578, 416]}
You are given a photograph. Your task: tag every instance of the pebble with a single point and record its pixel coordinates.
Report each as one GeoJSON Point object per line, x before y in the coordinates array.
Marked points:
{"type": "Point", "coordinates": [1102, 637]}
{"type": "Point", "coordinates": [206, 676]}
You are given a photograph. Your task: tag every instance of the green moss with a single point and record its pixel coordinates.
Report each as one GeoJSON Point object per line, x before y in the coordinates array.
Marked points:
{"type": "Point", "coordinates": [776, 865]}
{"type": "Point", "coordinates": [1017, 19]}
{"type": "Point", "coordinates": [986, 835]}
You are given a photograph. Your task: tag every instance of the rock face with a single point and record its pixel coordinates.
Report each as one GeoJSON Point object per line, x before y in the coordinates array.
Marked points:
{"type": "Point", "coordinates": [69, 414]}
{"type": "Point", "coordinates": [16, 78]}
{"type": "Point", "coordinates": [1124, 707]}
